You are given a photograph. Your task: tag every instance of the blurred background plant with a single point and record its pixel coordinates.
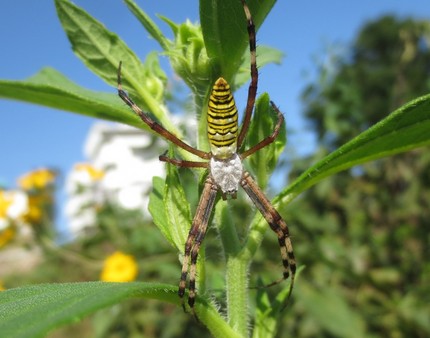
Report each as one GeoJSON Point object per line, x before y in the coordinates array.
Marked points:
{"type": "Point", "coordinates": [363, 235]}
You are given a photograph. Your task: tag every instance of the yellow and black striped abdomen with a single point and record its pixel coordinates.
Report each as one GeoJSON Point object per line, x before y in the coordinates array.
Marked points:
{"type": "Point", "coordinates": [222, 121]}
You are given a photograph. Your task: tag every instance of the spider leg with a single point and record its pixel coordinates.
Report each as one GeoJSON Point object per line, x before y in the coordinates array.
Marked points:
{"type": "Point", "coordinates": [252, 90]}
{"type": "Point", "coordinates": [195, 238]}
{"type": "Point", "coordinates": [276, 223]}
{"type": "Point", "coordinates": [268, 139]}
{"type": "Point", "coordinates": [154, 125]}
{"type": "Point", "coordinates": [182, 163]}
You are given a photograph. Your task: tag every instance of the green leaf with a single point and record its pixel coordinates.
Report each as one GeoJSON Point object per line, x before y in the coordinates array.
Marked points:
{"type": "Point", "coordinates": [268, 313]}
{"type": "Point", "coordinates": [33, 311]}
{"type": "Point", "coordinates": [189, 59]}
{"type": "Point", "coordinates": [149, 25]}
{"type": "Point", "coordinates": [265, 54]}
{"type": "Point", "coordinates": [177, 207]}
{"type": "Point", "coordinates": [52, 89]}
{"type": "Point", "coordinates": [157, 209]}
{"type": "Point", "coordinates": [100, 49]}
{"type": "Point", "coordinates": [265, 322]}
{"type": "Point", "coordinates": [169, 208]}
{"type": "Point", "coordinates": [406, 128]}
{"type": "Point", "coordinates": [264, 161]}
{"type": "Point", "coordinates": [225, 32]}
{"type": "Point", "coordinates": [226, 39]}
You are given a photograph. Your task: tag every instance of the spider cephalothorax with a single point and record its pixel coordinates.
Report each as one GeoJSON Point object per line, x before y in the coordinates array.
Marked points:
{"type": "Point", "coordinates": [226, 172]}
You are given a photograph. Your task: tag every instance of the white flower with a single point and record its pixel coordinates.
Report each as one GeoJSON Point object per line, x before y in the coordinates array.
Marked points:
{"type": "Point", "coordinates": [13, 204]}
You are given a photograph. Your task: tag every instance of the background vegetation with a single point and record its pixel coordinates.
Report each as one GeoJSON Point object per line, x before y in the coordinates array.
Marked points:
{"type": "Point", "coordinates": [363, 235]}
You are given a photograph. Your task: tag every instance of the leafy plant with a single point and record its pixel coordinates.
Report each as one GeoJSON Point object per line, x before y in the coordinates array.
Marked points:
{"type": "Point", "coordinates": [364, 232]}
{"type": "Point", "coordinates": [198, 55]}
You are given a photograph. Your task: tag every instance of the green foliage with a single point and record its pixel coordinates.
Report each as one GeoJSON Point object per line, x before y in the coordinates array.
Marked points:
{"type": "Point", "coordinates": [402, 130]}
{"type": "Point", "coordinates": [364, 232]}
{"type": "Point", "coordinates": [33, 310]}
{"type": "Point", "coordinates": [386, 67]}
{"type": "Point", "coordinates": [53, 89]}
{"type": "Point", "coordinates": [170, 209]}
{"type": "Point", "coordinates": [264, 162]}
{"type": "Point", "coordinates": [199, 55]}
{"type": "Point", "coordinates": [225, 40]}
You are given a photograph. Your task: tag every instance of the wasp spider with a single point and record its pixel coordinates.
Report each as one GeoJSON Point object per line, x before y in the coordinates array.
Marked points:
{"type": "Point", "coordinates": [224, 165]}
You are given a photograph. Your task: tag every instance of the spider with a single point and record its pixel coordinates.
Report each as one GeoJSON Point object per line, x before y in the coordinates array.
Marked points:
{"type": "Point", "coordinates": [224, 165]}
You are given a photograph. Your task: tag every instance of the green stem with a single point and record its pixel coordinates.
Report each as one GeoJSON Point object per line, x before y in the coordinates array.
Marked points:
{"type": "Point", "coordinates": [210, 317]}
{"type": "Point", "coordinates": [237, 294]}
{"type": "Point", "coordinates": [236, 272]}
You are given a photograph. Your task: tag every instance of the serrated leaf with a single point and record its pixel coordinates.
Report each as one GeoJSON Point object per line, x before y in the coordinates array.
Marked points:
{"type": "Point", "coordinates": [157, 209]}
{"type": "Point", "coordinates": [100, 49]}
{"type": "Point", "coordinates": [176, 207]}
{"type": "Point", "coordinates": [52, 89]}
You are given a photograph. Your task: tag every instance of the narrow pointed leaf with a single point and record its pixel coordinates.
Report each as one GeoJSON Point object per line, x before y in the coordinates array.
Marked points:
{"type": "Point", "coordinates": [406, 128]}
{"type": "Point", "coordinates": [149, 25]}
{"type": "Point", "coordinates": [100, 49]}
{"type": "Point", "coordinates": [52, 89]}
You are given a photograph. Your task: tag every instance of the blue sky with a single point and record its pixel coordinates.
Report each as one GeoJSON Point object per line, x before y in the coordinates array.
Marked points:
{"type": "Point", "coordinates": [31, 38]}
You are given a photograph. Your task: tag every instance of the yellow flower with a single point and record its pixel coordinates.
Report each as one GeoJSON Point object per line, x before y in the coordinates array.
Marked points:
{"type": "Point", "coordinates": [119, 267]}
{"type": "Point", "coordinates": [2, 288]}
{"type": "Point", "coordinates": [5, 202]}
{"type": "Point", "coordinates": [13, 205]}
{"type": "Point", "coordinates": [37, 179]}
{"type": "Point", "coordinates": [95, 174]}
{"type": "Point", "coordinates": [34, 215]}
{"type": "Point", "coordinates": [6, 236]}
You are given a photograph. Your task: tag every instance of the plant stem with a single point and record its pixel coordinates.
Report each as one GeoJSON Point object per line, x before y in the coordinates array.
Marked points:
{"type": "Point", "coordinates": [237, 294]}
{"type": "Point", "coordinates": [236, 273]}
